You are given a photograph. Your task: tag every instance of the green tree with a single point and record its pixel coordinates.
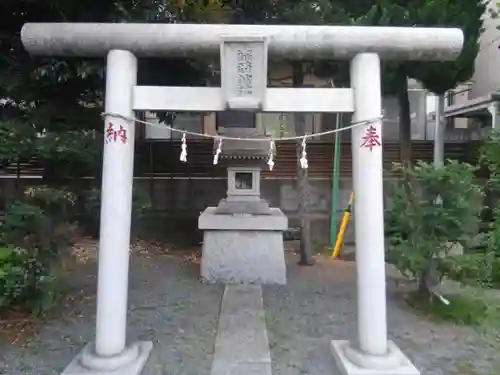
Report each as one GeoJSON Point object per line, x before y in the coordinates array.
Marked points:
{"type": "Point", "coordinates": [67, 93]}
{"type": "Point", "coordinates": [437, 77]}
{"type": "Point", "coordinates": [55, 95]}
{"type": "Point", "coordinates": [422, 235]}
{"type": "Point", "coordinates": [394, 74]}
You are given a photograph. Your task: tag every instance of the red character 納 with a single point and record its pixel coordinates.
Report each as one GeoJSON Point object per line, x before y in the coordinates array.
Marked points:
{"type": "Point", "coordinates": [112, 135]}
{"type": "Point", "coordinates": [122, 134]}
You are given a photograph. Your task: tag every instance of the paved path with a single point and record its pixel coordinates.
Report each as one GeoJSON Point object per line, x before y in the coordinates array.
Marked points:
{"type": "Point", "coordinates": [169, 306]}
{"type": "Point", "coordinates": [242, 347]}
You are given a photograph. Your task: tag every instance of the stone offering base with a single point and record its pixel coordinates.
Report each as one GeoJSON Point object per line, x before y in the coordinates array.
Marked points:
{"type": "Point", "coordinates": [243, 248]}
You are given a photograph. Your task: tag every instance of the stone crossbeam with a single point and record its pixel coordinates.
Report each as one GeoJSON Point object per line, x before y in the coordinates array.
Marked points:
{"type": "Point", "coordinates": [292, 42]}
{"type": "Point", "coordinates": [193, 99]}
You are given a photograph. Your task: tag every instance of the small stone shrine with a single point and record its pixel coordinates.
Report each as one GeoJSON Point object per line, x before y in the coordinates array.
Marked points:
{"type": "Point", "coordinates": [243, 236]}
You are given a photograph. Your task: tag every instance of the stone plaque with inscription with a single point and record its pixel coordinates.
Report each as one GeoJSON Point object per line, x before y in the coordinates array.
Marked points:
{"type": "Point", "coordinates": [244, 72]}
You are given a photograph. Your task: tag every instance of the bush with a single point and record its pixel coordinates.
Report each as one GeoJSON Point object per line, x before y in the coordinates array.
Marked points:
{"type": "Point", "coordinates": [141, 203]}
{"type": "Point", "coordinates": [56, 206]}
{"type": "Point", "coordinates": [24, 282]}
{"type": "Point", "coordinates": [483, 268]}
{"type": "Point", "coordinates": [480, 269]}
{"type": "Point", "coordinates": [30, 248]}
{"type": "Point", "coordinates": [420, 225]}
{"type": "Point", "coordinates": [477, 269]}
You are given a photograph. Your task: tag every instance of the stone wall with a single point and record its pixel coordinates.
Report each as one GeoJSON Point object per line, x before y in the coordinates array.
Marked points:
{"type": "Point", "coordinates": [182, 200]}
{"type": "Point", "coordinates": [178, 202]}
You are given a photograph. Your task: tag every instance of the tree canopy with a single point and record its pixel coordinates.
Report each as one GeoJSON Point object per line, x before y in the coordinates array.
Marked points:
{"type": "Point", "coordinates": [67, 93]}
{"type": "Point", "coordinates": [439, 77]}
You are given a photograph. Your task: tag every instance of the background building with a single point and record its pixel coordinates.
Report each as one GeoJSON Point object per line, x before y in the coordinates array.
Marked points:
{"type": "Point", "coordinates": [477, 101]}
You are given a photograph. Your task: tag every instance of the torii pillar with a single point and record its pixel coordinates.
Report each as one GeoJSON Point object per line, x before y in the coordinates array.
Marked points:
{"type": "Point", "coordinates": [370, 353]}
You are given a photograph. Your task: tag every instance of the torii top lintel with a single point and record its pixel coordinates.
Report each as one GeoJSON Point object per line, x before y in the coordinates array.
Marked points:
{"type": "Point", "coordinates": [290, 41]}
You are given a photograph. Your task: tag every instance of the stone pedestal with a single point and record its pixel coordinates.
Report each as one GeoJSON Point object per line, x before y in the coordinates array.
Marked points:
{"type": "Point", "coordinates": [239, 248]}
{"type": "Point", "coordinates": [353, 362]}
{"type": "Point", "coordinates": [130, 362]}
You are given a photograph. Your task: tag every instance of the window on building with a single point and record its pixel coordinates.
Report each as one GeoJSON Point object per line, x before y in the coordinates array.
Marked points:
{"type": "Point", "coordinates": [236, 119]}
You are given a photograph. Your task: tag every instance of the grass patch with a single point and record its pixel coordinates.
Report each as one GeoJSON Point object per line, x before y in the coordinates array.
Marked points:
{"type": "Point", "coordinates": [463, 309]}
{"type": "Point", "coordinates": [321, 248]}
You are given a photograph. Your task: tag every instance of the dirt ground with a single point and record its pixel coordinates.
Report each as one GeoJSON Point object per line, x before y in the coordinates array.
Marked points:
{"type": "Point", "coordinates": [319, 304]}
{"type": "Point", "coordinates": [169, 306]}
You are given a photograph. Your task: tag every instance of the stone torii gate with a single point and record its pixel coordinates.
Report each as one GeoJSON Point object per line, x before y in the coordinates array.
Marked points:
{"type": "Point", "coordinates": [122, 44]}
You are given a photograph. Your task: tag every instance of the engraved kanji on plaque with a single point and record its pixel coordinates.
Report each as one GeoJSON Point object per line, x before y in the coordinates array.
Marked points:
{"type": "Point", "coordinates": [244, 72]}
{"type": "Point", "coordinates": [244, 75]}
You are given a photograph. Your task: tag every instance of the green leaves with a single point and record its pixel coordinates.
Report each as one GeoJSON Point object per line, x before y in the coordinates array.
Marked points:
{"type": "Point", "coordinates": [440, 77]}
{"type": "Point", "coordinates": [30, 246]}
{"type": "Point", "coordinates": [71, 150]}
{"type": "Point", "coordinates": [70, 146]}
{"type": "Point", "coordinates": [67, 93]}
{"type": "Point", "coordinates": [16, 140]}
{"type": "Point", "coordinates": [12, 276]}
{"type": "Point", "coordinates": [419, 226]}
{"type": "Point", "coordinates": [489, 156]}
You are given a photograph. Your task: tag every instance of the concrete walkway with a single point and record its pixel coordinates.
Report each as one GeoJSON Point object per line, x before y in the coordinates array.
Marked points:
{"type": "Point", "coordinates": [242, 347]}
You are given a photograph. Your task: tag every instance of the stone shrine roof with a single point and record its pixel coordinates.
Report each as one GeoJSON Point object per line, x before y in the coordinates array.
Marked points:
{"type": "Point", "coordinates": [240, 149]}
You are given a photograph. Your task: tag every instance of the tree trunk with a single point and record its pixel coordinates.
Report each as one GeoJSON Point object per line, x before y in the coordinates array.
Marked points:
{"type": "Point", "coordinates": [423, 291]}
{"type": "Point", "coordinates": [431, 277]}
{"type": "Point", "coordinates": [405, 135]}
{"type": "Point", "coordinates": [303, 187]}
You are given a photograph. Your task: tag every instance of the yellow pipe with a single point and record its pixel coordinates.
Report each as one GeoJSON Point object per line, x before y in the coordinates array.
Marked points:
{"type": "Point", "coordinates": [343, 227]}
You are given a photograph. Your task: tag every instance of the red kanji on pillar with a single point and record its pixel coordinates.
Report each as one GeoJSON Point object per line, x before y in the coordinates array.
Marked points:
{"type": "Point", "coordinates": [110, 133]}
{"type": "Point", "coordinates": [113, 135]}
{"type": "Point", "coordinates": [122, 134]}
{"type": "Point", "coordinates": [371, 138]}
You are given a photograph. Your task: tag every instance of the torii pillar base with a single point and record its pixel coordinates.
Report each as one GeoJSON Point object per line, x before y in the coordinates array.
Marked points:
{"type": "Point", "coordinates": [352, 362]}
{"type": "Point", "coordinates": [130, 362]}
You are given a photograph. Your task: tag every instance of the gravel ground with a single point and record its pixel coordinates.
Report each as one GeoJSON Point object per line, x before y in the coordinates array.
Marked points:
{"type": "Point", "coordinates": [319, 305]}
{"type": "Point", "coordinates": [168, 305]}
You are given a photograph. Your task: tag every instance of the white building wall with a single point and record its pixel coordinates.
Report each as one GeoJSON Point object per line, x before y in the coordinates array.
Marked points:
{"type": "Point", "coordinates": [487, 73]}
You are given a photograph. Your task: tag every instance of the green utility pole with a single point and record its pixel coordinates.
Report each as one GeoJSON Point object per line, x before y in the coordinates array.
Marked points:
{"type": "Point", "coordinates": [335, 182]}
